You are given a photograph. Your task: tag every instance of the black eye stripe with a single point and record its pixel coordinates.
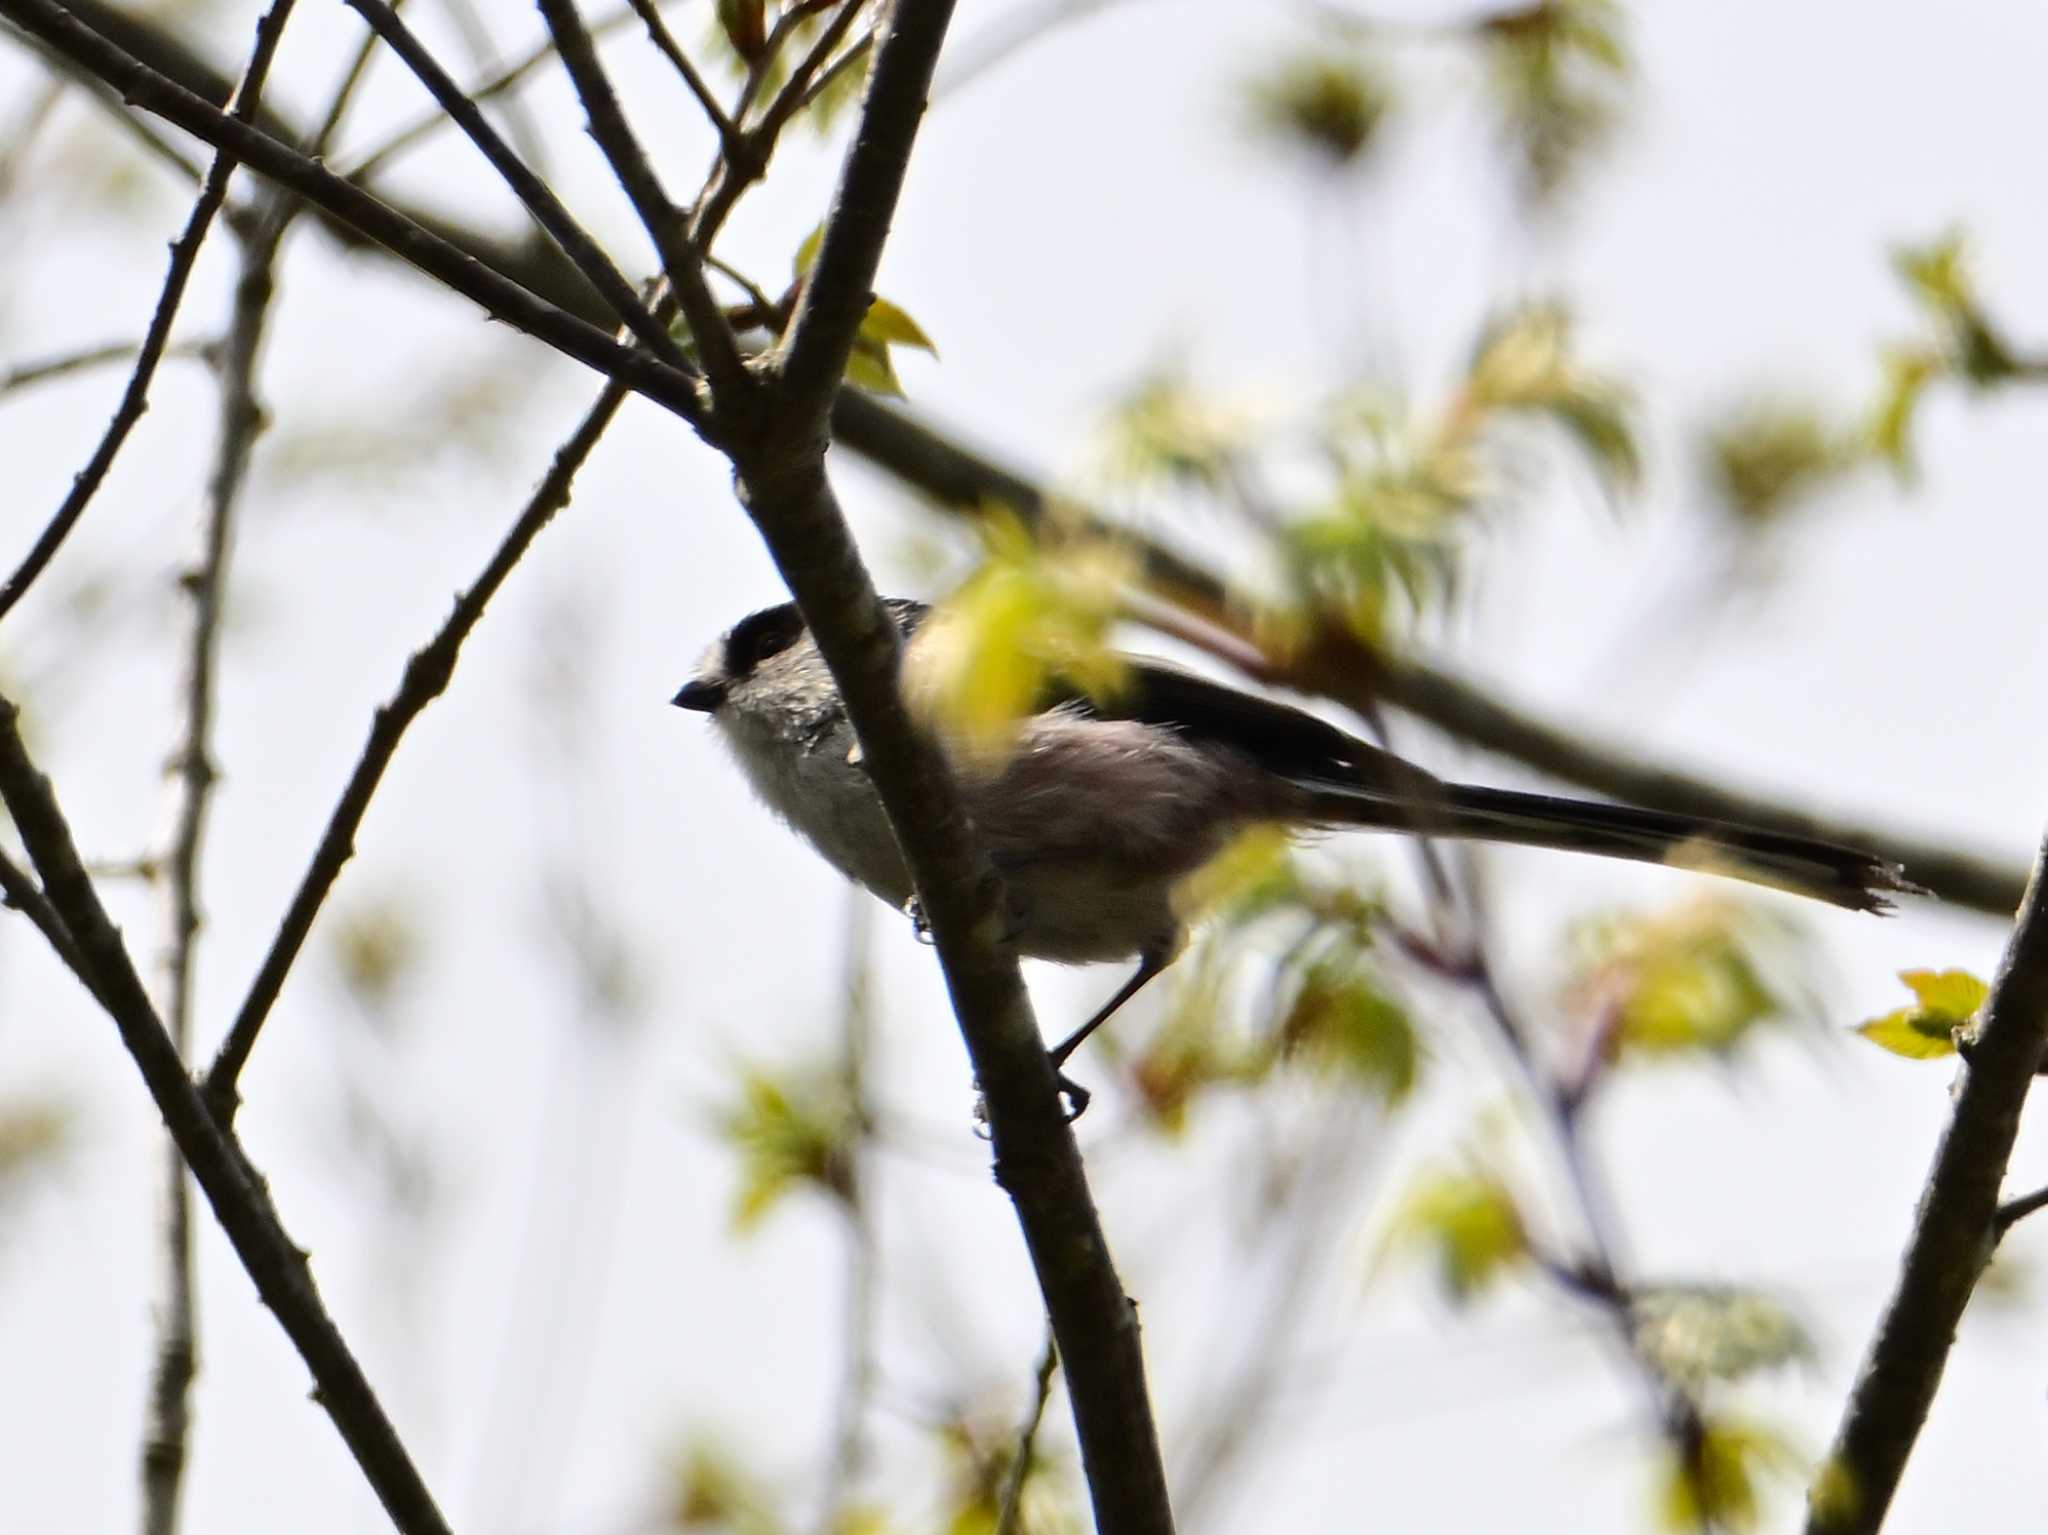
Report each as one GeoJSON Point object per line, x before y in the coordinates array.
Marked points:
{"type": "Point", "coordinates": [760, 635]}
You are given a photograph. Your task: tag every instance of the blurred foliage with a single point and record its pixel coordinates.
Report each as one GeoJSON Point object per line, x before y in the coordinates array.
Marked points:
{"type": "Point", "coordinates": [1324, 1004]}
{"type": "Point", "coordinates": [886, 325]}
{"type": "Point", "coordinates": [1944, 1002]}
{"type": "Point", "coordinates": [1963, 343]}
{"type": "Point", "coordinates": [1165, 431]}
{"type": "Point", "coordinates": [711, 1490]}
{"type": "Point", "coordinates": [1040, 610]}
{"type": "Point", "coordinates": [1558, 72]}
{"type": "Point", "coordinates": [800, 1128]}
{"type": "Point", "coordinates": [1712, 1484]}
{"type": "Point", "coordinates": [1468, 1222]}
{"type": "Point", "coordinates": [979, 1454]}
{"type": "Point", "coordinates": [762, 41]}
{"type": "Point", "coordinates": [1697, 978]}
{"type": "Point", "coordinates": [35, 1132]}
{"type": "Point", "coordinates": [1765, 459]}
{"type": "Point", "coordinates": [1697, 1335]}
{"type": "Point", "coordinates": [1381, 497]}
{"type": "Point", "coordinates": [1329, 105]}
{"type": "Point", "coordinates": [407, 427]}
{"type": "Point", "coordinates": [376, 944]}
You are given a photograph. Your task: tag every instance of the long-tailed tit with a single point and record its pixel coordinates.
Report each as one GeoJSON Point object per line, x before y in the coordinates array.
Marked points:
{"type": "Point", "coordinates": [1102, 806]}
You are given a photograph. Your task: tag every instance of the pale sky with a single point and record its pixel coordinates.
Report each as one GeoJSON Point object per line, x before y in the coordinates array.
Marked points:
{"type": "Point", "coordinates": [576, 1303]}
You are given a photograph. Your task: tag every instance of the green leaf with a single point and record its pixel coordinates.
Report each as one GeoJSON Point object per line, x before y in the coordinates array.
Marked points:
{"type": "Point", "coordinates": [1715, 1486]}
{"type": "Point", "coordinates": [807, 251]}
{"type": "Point", "coordinates": [1470, 1222]}
{"type": "Point", "coordinates": [1955, 994]}
{"type": "Point", "coordinates": [890, 326]}
{"type": "Point", "coordinates": [1907, 373]}
{"type": "Point", "coordinates": [794, 1131]}
{"type": "Point", "coordinates": [1033, 612]}
{"type": "Point", "coordinates": [1947, 1001]}
{"type": "Point", "coordinates": [1344, 1017]}
{"type": "Point", "coordinates": [1698, 977]}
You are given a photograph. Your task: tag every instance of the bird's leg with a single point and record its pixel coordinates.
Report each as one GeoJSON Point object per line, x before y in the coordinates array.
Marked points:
{"type": "Point", "coordinates": [1150, 963]}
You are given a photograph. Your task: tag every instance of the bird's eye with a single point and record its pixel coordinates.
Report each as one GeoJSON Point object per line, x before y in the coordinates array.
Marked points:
{"type": "Point", "coordinates": [760, 635]}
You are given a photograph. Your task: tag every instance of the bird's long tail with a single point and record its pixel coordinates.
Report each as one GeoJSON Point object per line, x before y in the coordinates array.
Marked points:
{"type": "Point", "coordinates": [1808, 866]}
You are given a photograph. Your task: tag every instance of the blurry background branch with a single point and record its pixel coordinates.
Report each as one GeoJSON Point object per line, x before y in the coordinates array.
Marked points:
{"type": "Point", "coordinates": [1955, 1231]}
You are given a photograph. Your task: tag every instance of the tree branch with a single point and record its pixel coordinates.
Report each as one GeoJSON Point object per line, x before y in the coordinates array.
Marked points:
{"type": "Point", "coordinates": [681, 261]}
{"type": "Point", "coordinates": [237, 1193]}
{"type": "Point", "coordinates": [782, 481]}
{"type": "Point", "coordinates": [1953, 1237]}
{"type": "Point", "coordinates": [841, 283]}
{"type": "Point", "coordinates": [426, 676]}
{"type": "Point", "coordinates": [503, 298]}
{"type": "Point", "coordinates": [538, 198]}
{"type": "Point", "coordinates": [135, 398]}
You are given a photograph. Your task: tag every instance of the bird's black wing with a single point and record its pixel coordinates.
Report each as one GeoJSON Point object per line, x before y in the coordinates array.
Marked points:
{"type": "Point", "coordinates": [1280, 738]}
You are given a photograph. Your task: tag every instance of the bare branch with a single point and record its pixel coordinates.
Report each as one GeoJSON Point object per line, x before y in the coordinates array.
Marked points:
{"type": "Point", "coordinates": [663, 220]}
{"type": "Point", "coordinates": [781, 472]}
{"type": "Point", "coordinates": [166, 1425]}
{"type": "Point", "coordinates": [509, 78]}
{"type": "Point", "coordinates": [28, 374]}
{"type": "Point", "coordinates": [26, 897]}
{"type": "Point", "coordinates": [665, 43]}
{"type": "Point", "coordinates": [368, 216]}
{"type": "Point", "coordinates": [1011, 1511]}
{"type": "Point", "coordinates": [135, 398]}
{"type": "Point", "coordinates": [538, 198]}
{"type": "Point", "coordinates": [841, 283]}
{"type": "Point", "coordinates": [1954, 1233]}
{"type": "Point", "coordinates": [234, 1189]}
{"type": "Point", "coordinates": [426, 676]}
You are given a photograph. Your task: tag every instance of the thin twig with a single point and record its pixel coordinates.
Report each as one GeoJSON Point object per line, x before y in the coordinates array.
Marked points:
{"type": "Point", "coordinates": [666, 44]}
{"type": "Point", "coordinates": [344, 93]}
{"type": "Point", "coordinates": [539, 199]}
{"type": "Point", "coordinates": [28, 374]}
{"type": "Point", "coordinates": [666, 224]}
{"type": "Point", "coordinates": [1010, 1513]}
{"type": "Point", "coordinates": [234, 1189]}
{"type": "Point", "coordinates": [426, 676]}
{"type": "Point", "coordinates": [366, 165]}
{"type": "Point", "coordinates": [1953, 1236]}
{"type": "Point", "coordinates": [166, 1427]}
{"type": "Point", "coordinates": [521, 124]}
{"type": "Point", "coordinates": [780, 467]}
{"type": "Point", "coordinates": [854, 53]}
{"type": "Point", "coordinates": [795, 91]}
{"type": "Point", "coordinates": [26, 896]}
{"type": "Point", "coordinates": [367, 216]}
{"type": "Point", "coordinates": [135, 398]}
{"type": "Point", "coordinates": [2016, 1210]}
{"type": "Point", "coordinates": [863, 1253]}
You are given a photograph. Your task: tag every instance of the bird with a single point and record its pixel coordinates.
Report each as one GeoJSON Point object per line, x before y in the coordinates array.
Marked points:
{"type": "Point", "coordinates": [1104, 803]}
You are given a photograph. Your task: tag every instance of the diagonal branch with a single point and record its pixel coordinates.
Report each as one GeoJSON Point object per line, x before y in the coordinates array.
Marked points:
{"type": "Point", "coordinates": [539, 199]}
{"type": "Point", "coordinates": [665, 223]}
{"type": "Point", "coordinates": [426, 676]}
{"type": "Point", "coordinates": [237, 1193]}
{"type": "Point", "coordinates": [781, 472]}
{"type": "Point", "coordinates": [135, 398]}
{"type": "Point", "coordinates": [1953, 1237]}
{"type": "Point", "coordinates": [841, 283]}
{"type": "Point", "coordinates": [371, 218]}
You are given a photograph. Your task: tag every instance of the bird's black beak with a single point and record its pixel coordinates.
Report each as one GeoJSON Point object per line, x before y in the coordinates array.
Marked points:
{"type": "Point", "coordinates": [698, 694]}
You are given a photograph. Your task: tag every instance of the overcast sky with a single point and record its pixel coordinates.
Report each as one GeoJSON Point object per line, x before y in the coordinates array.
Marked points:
{"type": "Point", "coordinates": [575, 1304]}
